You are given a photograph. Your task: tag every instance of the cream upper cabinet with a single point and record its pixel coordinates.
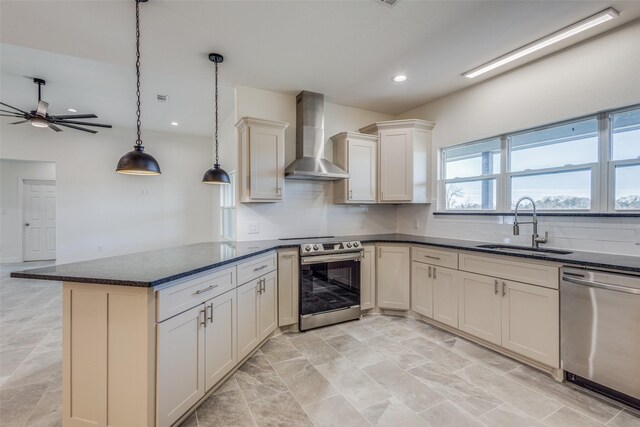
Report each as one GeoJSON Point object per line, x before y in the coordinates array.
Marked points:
{"type": "Point", "coordinates": [220, 337]}
{"type": "Point", "coordinates": [480, 307]}
{"type": "Point", "coordinates": [530, 321]}
{"type": "Point", "coordinates": [357, 154]}
{"type": "Point", "coordinates": [261, 160]}
{"type": "Point", "coordinates": [288, 286]}
{"type": "Point", "coordinates": [445, 295]}
{"type": "Point", "coordinates": [248, 335]}
{"type": "Point", "coordinates": [393, 275]}
{"type": "Point", "coordinates": [422, 289]}
{"type": "Point", "coordinates": [403, 160]}
{"type": "Point", "coordinates": [368, 278]}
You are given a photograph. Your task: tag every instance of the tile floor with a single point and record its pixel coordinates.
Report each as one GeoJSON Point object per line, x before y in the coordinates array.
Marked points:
{"type": "Point", "coordinates": [380, 371]}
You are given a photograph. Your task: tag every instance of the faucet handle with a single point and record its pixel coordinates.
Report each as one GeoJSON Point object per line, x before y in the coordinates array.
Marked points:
{"type": "Point", "coordinates": [544, 239]}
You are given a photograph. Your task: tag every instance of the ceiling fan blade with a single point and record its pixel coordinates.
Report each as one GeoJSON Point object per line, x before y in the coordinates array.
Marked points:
{"type": "Point", "coordinates": [100, 125]}
{"type": "Point", "coordinates": [17, 123]}
{"type": "Point", "coordinates": [75, 116]}
{"type": "Point", "coordinates": [14, 108]}
{"type": "Point", "coordinates": [12, 112]}
{"type": "Point", "coordinates": [54, 127]}
{"type": "Point", "coordinates": [42, 108]}
{"type": "Point", "coordinates": [76, 127]}
{"type": "Point", "coordinates": [12, 115]}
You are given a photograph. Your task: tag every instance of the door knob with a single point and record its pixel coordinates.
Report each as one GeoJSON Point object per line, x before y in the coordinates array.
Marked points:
{"type": "Point", "coordinates": [26, 224]}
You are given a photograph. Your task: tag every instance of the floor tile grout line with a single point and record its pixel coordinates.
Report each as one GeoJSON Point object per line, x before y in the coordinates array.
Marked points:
{"type": "Point", "coordinates": [607, 423]}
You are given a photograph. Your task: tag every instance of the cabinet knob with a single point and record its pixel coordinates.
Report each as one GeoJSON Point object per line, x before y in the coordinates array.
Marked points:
{"type": "Point", "coordinates": [495, 287]}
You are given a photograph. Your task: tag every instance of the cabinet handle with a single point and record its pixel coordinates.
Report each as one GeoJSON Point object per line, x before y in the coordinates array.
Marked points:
{"type": "Point", "coordinates": [429, 271]}
{"type": "Point", "coordinates": [504, 289]}
{"type": "Point", "coordinates": [495, 287]}
{"type": "Point", "coordinates": [260, 268]}
{"type": "Point", "coordinates": [264, 285]}
{"type": "Point", "coordinates": [210, 317]}
{"type": "Point", "coordinates": [350, 194]}
{"type": "Point", "coordinates": [200, 291]}
{"type": "Point", "coordinates": [431, 257]}
{"type": "Point", "coordinates": [287, 256]}
{"type": "Point", "coordinates": [434, 273]}
{"type": "Point", "coordinates": [204, 314]}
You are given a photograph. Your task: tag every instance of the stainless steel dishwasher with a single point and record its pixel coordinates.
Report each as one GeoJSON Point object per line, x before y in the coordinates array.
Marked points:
{"type": "Point", "coordinates": [600, 332]}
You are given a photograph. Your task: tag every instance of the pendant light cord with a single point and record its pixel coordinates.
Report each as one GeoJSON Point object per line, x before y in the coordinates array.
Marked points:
{"type": "Point", "coordinates": [216, 104]}
{"type": "Point", "coordinates": [138, 124]}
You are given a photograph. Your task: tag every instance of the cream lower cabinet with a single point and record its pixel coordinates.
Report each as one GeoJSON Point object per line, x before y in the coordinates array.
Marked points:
{"type": "Point", "coordinates": [257, 312]}
{"type": "Point", "coordinates": [288, 286]}
{"type": "Point", "coordinates": [445, 295]}
{"type": "Point", "coordinates": [220, 337]}
{"type": "Point", "coordinates": [368, 278]}
{"type": "Point", "coordinates": [422, 289]}
{"type": "Point", "coordinates": [520, 317]}
{"type": "Point", "coordinates": [393, 264]}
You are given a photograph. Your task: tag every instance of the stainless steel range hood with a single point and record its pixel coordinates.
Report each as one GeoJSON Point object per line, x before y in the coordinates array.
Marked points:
{"type": "Point", "coordinates": [310, 162]}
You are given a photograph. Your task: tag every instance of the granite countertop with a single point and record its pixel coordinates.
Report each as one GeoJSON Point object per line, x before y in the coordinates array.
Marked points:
{"type": "Point", "coordinates": [152, 268]}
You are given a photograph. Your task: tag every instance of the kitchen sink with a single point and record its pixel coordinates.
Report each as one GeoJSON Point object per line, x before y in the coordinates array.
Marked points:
{"type": "Point", "coordinates": [521, 249]}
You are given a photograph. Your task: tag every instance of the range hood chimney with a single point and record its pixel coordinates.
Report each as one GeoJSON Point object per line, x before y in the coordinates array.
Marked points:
{"type": "Point", "coordinates": [310, 162]}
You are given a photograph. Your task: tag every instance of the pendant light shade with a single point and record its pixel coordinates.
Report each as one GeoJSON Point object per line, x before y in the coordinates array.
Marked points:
{"type": "Point", "coordinates": [136, 161]}
{"type": "Point", "coordinates": [216, 175]}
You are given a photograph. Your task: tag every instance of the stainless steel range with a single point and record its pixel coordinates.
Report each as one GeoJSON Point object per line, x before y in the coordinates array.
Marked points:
{"type": "Point", "coordinates": [329, 283]}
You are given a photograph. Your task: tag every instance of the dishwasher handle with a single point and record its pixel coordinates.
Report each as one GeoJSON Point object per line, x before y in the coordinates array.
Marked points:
{"type": "Point", "coordinates": [601, 285]}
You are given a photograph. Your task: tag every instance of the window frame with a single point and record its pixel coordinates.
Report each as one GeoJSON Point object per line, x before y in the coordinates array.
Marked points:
{"type": "Point", "coordinates": [612, 164]}
{"type": "Point", "coordinates": [228, 205]}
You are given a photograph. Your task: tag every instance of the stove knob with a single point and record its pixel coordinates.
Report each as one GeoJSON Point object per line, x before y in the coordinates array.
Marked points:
{"type": "Point", "coordinates": [349, 244]}
{"type": "Point", "coordinates": [356, 244]}
{"type": "Point", "coordinates": [307, 248]}
{"type": "Point", "coordinates": [315, 247]}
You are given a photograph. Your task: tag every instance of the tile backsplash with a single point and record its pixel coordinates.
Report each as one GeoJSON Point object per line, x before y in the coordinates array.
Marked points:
{"type": "Point", "coordinates": [308, 210]}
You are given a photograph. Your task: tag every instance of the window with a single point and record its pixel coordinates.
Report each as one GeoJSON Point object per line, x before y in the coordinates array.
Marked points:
{"type": "Point", "coordinates": [228, 209]}
{"type": "Point", "coordinates": [590, 164]}
{"type": "Point", "coordinates": [470, 173]}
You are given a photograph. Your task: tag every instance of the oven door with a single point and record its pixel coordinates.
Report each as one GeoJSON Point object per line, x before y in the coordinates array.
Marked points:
{"type": "Point", "coordinates": [329, 282]}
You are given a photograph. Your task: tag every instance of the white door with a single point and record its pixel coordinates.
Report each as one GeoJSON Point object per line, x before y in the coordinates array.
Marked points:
{"type": "Point", "coordinates": [39, 214]}
{"type": "Point", "coordinates": [248, 335]}
{"type": "Point", "coordinates": [445, 296]}
{"type": "Point", "coordinates": [180, 369]}
{"type": "Point", "coordinates": [368, 278]}
{"type": "Point", "coordinates": [362, 170]}
{"type": "Point", "coordinates": [480, 307]}
{"type": "Point", "coordinates": [268, 307]}
{"type": "Point", "coordinates": [266, 154]}
{"type": "Point", "coordinates": [396, 166]}
{"type": "Point", "coordinates": [393, 268]}
{"type": "Point", "coordinates": [422, 289]}
{"type": "Point", "coordinates": [220, 337]}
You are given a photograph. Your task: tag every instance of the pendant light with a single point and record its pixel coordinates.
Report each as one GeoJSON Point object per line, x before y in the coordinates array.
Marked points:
{"type": "Point", "coordinates": [137, 162]}
{"type": "Point", "coordinates": [216, 175]}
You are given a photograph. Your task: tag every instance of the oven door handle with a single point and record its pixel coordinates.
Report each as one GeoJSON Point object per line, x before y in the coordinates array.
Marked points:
{"type": "Point", "coordinates": [319, 259]}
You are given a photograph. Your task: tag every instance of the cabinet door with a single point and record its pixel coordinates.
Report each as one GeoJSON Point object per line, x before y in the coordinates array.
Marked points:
{"type": "Point", "coordinates": [368, 278]}
{"type": "Point", "coordinates": [266, 157]}
{"type": "Point", "coordinates": [422, 289]}
{"type": "Point", "coordinates": [445, 296]}
{"type": "Point", "coordinates": [530, 322]}
{"type": "Point", "coordinates": [268, 306]}
{"type": "Point", "coordinates": [362, 171]}
{"type": "Point", "coordinates": [480, 307]}
{"type": "Point", "coordinates": [180, 370]}
{"type": "Point", "coordinates": [220, 337]}
{"type": "Point", "coordinates": [288, 285]}
{"type": "Point", "coordinates": [248, 329]}
{"type": "Point", "coordinates": [393, 268]}
{"type": "Point", "coordinates": [396, 166]}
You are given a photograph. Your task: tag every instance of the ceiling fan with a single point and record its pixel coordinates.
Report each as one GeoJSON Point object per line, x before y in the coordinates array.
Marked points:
{"type": "Point", "coordinates": [40, 118]}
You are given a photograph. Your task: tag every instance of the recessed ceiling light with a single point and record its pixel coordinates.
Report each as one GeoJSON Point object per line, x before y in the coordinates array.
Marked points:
{"type": "Point", "coordinates": [174, 123]}
{"type": "Point", "coordinates": [567, 32]}
{"type": "Point", "coordinates": [72, 110]}
{"type": "Point", "coordinates": [399, 78]}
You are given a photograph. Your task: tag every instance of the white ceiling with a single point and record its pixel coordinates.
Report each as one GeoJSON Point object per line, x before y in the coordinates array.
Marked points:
{"type": "Point", "coordinates": [348, 50]}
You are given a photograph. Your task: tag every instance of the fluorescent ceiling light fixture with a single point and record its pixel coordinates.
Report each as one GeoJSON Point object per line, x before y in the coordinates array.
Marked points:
{"type": "Point", "coordinates": [399, 78]}
{"type": "Point", "coordinates": [567, 32]}
{"type": "Point", "coordinates": [72, 110]}
{"type": "Point", "coordinates": [174, 123]}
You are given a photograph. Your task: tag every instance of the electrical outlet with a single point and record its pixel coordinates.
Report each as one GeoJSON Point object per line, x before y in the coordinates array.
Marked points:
{"type": "Point", "coordinates": [416, 225]}
{"type": "Point", "coordinates": [363, 224]}
{"type": "Point", "coordinates": [254, 228]}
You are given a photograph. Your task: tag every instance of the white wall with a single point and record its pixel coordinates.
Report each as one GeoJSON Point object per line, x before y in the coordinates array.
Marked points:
{"type": "Point", "coordinates": [102, 213]}
{"type": "Point", "coordinates": [308, 208]}
{"type": "Point", "coordinates": [11, 221]}
{"type": "Point", "coordinates": [596, 75]}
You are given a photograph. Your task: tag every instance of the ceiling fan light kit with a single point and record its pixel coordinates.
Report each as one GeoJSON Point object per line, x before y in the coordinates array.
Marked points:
{"type": "Point", "coordinates": [216, 175]}
{"type": "Point", "coordinates": [136, 161]}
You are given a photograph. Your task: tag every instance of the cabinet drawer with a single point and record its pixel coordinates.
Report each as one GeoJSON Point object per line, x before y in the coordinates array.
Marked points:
{"type": "Point", "coordinates": [546, 275]}
{"type": "Point", "coordinates": [182, 296]}
{"type": "Point", "coordinates": [256, 267]}
{"type": "Point", "coordinates": [434, 257]}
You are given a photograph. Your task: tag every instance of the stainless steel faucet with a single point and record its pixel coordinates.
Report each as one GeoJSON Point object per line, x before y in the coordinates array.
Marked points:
{"type": "Point", "coordinates": [535, 239]}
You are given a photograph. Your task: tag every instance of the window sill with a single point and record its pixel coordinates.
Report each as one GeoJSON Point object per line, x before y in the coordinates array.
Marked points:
{"type": "Point", "coordinates": [635, 214]}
